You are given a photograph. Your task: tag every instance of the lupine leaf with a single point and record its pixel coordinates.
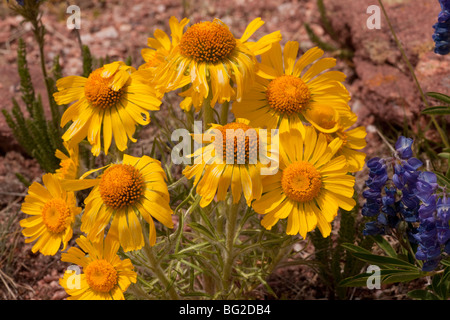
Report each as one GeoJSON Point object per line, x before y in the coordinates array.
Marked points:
{"type": "Point", "coordinates": [439, 96]}
{"type": "Point", "coordinates": [437, 110]}
{"type": "Point", "coordinates": [367, 256]}
{"type": "Point", "coordinates": [385, 245]}
{"type": "Point", "coordinates": [360, 280]}
{"type": "Point", "coordinates": [443, 180]}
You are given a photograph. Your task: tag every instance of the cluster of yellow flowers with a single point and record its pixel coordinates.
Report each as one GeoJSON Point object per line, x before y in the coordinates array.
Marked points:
{"type": "Point", "coordinates": [300, 97]}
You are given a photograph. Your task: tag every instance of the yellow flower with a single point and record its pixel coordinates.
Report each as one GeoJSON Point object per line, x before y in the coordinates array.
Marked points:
{"type": "Point", "coordinates": [104, 277]}
{"type": "Point", "coordinates": [121, 194]}
{"type": "Point", "coordinates": [68, 166]}
{"type": "Point", "coordinates": [309, 187]}
{"type": "Point", "coordinates": [52, 211]}
{"type": "Point", "coordinates": [214, 173]}
{"type": "Point", "coordinates": [159, 48]}
{"type": "Point", "coordinates": [352, 139]}
{"type": "Point", "coordinates": [284, 94]}
{"type": "Point", "coordinates": [111, 101]}
{"type": "Point", "coordinates": [212, 57]}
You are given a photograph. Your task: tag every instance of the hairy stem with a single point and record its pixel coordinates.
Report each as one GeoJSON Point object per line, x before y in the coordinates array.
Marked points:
{"type": "Point", "coordinates": [208, 113]}
{"type": "Point", "coordinates": [230, 235]}
{"type": "Point", "coordinates": [159, 272]}
{"type": "Point", "coordinates": [224, 113]}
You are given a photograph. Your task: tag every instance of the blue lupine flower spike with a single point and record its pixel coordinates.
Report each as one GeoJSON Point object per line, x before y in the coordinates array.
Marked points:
{"type": "Point", "coordinates": [441, 35]}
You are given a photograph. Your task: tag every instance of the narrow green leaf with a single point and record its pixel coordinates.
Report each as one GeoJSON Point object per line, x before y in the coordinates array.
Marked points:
{"type": "Point", "coordinates": [439, 96]}
{"type": "Point", "coordinates": [194, 247]}
{"type": "Point", "coordinates": [360, 280]}
{"type": "Point", "coordinates": [446, 262]}
{"type": "Point", "coordinates": [442, 180]}
{"type": "Point", "coordinates": [198, 227]}
{"type": "Point", "coordinates": [437, 110]}
{"type": "Point", "coordinates": [444, 155]}
{"type": "Point", "coordinates": [354, 248]}
{"type": "Point", "coordinates": [385, 245]}
{"type": "Point", "coordinates": [403, 277]}
{"type": "Point", "coordinates": [382, 261]}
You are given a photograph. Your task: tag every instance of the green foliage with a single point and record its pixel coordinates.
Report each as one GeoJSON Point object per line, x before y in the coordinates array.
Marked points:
{"type": "Point", "coordinates": [87, 61]}
{"type": "Point", "coordinates": [334, 259]}
{"type": "Point", "coordinates": [39, 137]}
{"type": "Point", "coordinates": [438, 289]}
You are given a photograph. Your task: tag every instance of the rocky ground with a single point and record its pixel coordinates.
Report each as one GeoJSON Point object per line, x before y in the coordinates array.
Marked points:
{"type": "Point", "coordinates": [384, 94]}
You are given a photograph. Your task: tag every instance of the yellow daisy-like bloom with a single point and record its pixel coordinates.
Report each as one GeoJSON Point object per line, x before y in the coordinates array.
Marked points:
{"type": "Point", "coordinates": [214, 60]}
{"type": "Point", "coordinates": [160, 47]}
{"type": "Point", "coordinates": [121, 194]}
{"type": "Point", "coordinates": [309, 187]}
{"type": "Point", "coordinates": [214, 172]}
{"type": "Point", "coordinates": [352, 139]}
{"type": "Point", "coordinates": [112, 101]}
{"type": "Point", "coordinates": [52, 211]}
{"type": "Point", "coordinates": [104, 277]}
{"type": "Point", "coordinates": [68, 167]}
{"type": "Point", "coordinates": [284, 94]}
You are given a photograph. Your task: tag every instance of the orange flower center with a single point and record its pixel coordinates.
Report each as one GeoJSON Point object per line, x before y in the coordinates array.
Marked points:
{"type": "Point", "coordinates": [121, 185]}
{"type": "Point", "coordinates": [207, 42]}
{"type": "Point", "coordinates": [301, 182]}
{"type": "Point", "coordinates": [98, 91]}
{"type": "Point", "coordinates": [242, 140]}
{"type": "Point", "coordinates": [55, 215]}
{"type": "Point", "coordinates": [288, 94]}
{"type": "Point", "coordinates": [101, 276]}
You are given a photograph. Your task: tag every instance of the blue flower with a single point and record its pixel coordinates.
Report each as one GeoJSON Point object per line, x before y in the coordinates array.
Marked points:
{"type": "Point", "coordinates": [376, 181]}
{"type": "Point", "coordinates": [441, 35]}
{"type": "Point", "coordinates": [403, 147]}
{"type": "Point", "coordinates": [373, 228]}
{"type": "Point", "coordinates": [433, 234]}
{"type": "Point", "coordinates": [442, 218]}
{"type": "Point", "coordinates": [425, 186]}
{"type": "Point", "coordinates": [443, 209]}
{"type": "Point", "coordinates": [412, 197]}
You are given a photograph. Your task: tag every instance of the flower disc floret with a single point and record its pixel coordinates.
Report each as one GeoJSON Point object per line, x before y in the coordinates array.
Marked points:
{"type": "Point", "coordinates": [121, 185]}
{"type": "Point", "coordinates": [239, 133]}
{"type": "Point", "coordinates": [288, 94]}
{"type": "Point", "coordinates": [55, 215]}
{"type": "Point", "coordinates": [207, 42]}
{"type": "Point", "coordinates": [101, 276]}
{"type": "Point", "coordinates": [301, 181]}
{"type": "Point", "coordinates": [98, 91]}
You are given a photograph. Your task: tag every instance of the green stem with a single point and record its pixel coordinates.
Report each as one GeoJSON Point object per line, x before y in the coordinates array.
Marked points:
{"type": "Point", "coordinates": [224, 113]}
{"type": "Point", "coordinates": [39, 35]}
{"type": "Point", "coordinates": [230, 235]}
{"type": "Point", "coordinates": [208, 113]}
{"type": "Point", "coordinates": [411, 69]}
{"type": "Point", "coordinates": [282, 253]}
{"type": "Point", "coordinates": [159, 272]}
{"type": "Point", "coordinates": [386, 142]}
